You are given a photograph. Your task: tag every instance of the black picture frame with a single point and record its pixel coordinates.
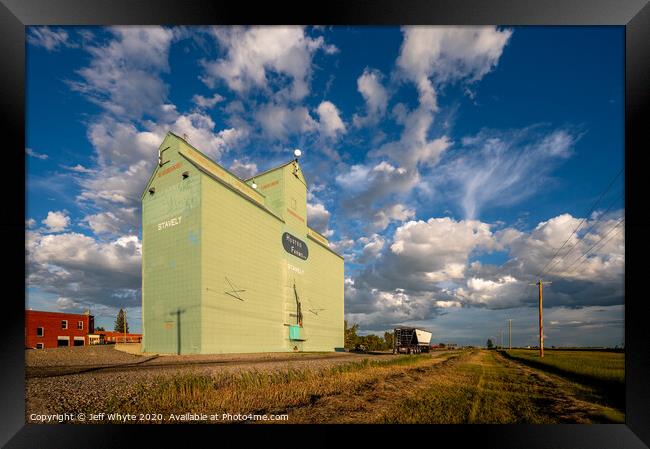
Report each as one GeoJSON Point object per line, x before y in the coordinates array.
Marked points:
{"type": "Point", "coordinates": [634, 15]}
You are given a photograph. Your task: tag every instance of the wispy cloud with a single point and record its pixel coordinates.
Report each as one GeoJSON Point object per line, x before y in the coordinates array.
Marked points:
{"type": "Point", "coordinates": [49, 38]}
{"type": "Point", "coordinates": [33, 153]}
{"type": "Point", "coordinates": [500, 168]}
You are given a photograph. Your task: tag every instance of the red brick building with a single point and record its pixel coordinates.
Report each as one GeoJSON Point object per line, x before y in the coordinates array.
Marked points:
{"type": "Point", "coordinates": [55, 329]}
{"type": "Point", "coordinates": [118, 337]}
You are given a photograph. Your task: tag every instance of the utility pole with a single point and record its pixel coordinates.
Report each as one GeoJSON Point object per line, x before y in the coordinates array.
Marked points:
{"type": "Point", "coordinates": [510, 334]}
{"type": "Point", "coordinates": [540, 284]}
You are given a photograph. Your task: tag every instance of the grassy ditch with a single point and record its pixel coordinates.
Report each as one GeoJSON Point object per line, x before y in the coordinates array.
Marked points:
{"type": "Point", "coordinates": [602, 370]}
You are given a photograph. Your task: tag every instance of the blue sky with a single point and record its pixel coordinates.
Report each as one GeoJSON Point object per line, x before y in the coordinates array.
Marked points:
{"type": "Point", "coordinates": [447, 165]}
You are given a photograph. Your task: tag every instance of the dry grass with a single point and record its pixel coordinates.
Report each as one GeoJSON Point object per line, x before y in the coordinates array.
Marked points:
{"type": "Point", "coordinates": [260, 392]}
{"type": "Point", "coordinates": [474, 386]}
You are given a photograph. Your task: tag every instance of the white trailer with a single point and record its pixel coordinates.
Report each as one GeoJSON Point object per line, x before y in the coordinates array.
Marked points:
{"type": "Point", "coordinates": [411, 340]}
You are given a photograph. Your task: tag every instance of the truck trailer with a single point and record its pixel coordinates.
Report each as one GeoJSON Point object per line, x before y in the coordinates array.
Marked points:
{"type": "Point", "coordinates": [410, 340]}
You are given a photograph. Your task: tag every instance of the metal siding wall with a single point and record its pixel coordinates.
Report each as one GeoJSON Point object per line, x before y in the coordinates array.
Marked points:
{"type": "Point", "coordinates": [319, 279]}
{"type": "Point", "coordinates": [323, 284]}
{"type": "Point", "coordinates": [271, 185]}
{"type": "Point", "coordinates": [295, 189]}
{"type": "Point", "coordinates": [171, 260]}
{"type": "Point", "coordinates": [242, 251]}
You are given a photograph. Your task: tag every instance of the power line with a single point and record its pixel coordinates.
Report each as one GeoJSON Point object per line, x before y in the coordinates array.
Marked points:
{"type": "Point", "coordinates": [594, 245]}
{"type": "Point", "coordinates": [618, 223]}
{"type": "Point", "coordinates": [611, 183]}
{"type": "Point", "coordinates": [590, 228]}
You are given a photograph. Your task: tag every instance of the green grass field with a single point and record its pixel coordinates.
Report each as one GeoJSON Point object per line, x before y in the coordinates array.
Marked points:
{"type": "Point", "coordinates": [601, 374]}
{"type": "Point", "coordinates": [600, 366]}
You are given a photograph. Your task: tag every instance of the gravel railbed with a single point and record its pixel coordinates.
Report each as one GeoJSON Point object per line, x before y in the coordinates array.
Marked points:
{"type": "Point", "coordinates": [75, 393]}
{"type": "Point", "coordinates": [78, 356]}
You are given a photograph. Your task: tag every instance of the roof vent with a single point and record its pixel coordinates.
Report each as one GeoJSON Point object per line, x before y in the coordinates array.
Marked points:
{"type": "Point", "coordinates": [186, 174]}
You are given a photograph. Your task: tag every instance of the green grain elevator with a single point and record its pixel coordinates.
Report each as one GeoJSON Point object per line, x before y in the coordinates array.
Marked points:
{"type": "Point", "coordinates": [231, 265]}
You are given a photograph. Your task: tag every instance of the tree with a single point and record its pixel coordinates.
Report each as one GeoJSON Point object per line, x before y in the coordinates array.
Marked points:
{"type": "Point", "coordinates": [372, 342]}
{"type": "Point", "coordinates": [350, 334]}
{"type": "Point", "coordinates": [490, 345]}
{"type": "Point", "coordinates": [121, 325]}
{"type": "Point", "coordinates": [99, 328]}
{"type": "Point", "coordinates": [389, 337]}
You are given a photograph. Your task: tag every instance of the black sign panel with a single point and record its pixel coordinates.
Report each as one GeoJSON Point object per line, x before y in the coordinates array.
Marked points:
{"type": "Point", "coordinates": [295, 246]}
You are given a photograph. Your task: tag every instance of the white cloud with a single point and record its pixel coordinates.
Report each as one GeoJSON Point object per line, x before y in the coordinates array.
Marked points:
{"type": "Point", "coordinates": [119, 143]}
{"type": "Point", "coordinates": [30, 223]}
{"type": "Point", "coordinates": [280, 122]}
{"type": "Point", "coordinates": [604, 263]}
{"type": "Point", "coordinates": [33, 153]}
{"type": "Point", "coordinates": [67, 304]}
{"type": "Point", "coordinates": [200, 131]}
{"type": "Point", "coordinates": [56, 221]}
{"type": "Point", "coordinates": [447, 304]}
{"type": "Point", "coordinates": [330, 122]}
{"type": "Point", "coordinates": [80, 269]}
{"type": "Point", "coordinates": [372, 247]}
{"type": "Point", "coordinates": [428, 263]}
{"type": "Point", "coordinates": [414, 148]}
{"type": "Point", "coordinates": [439, 244]}
{"type": "Point", "coordinates": [371, 188]}
{"type": "Point", "coordinates": [207, 103]}
{"type": "Point", "coordinates": [112, 186]}
{"type": "Point", "coordinates": [394, 212]}
{"type": "Point", "coordinates": [318, 217]}
{"type": "Point", "coordinates": [258, 57]}
{"type": "Point", "coordinates": [244, 169]}
{"type": "Point", "coordinates": [444, 54]}
{"type": "Point", "coordinates": [341, 246]}
{"type": "Point", "coordinates": [370, 86]}
{"type": "Point", "coordinates": [448, 53]}
{"type": "Point", "coordinates": [113, 223]}
{"type": "Point", "coordinates": [484, 291]}
{"type": "Point", "coordinates": [371, 178]}
{"type": "Point", "coordinates": [79, 169]}
{"type": "Point", "coordinates": [123, 76]}
{"type": "Point", "coordinates": [49, 38]}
